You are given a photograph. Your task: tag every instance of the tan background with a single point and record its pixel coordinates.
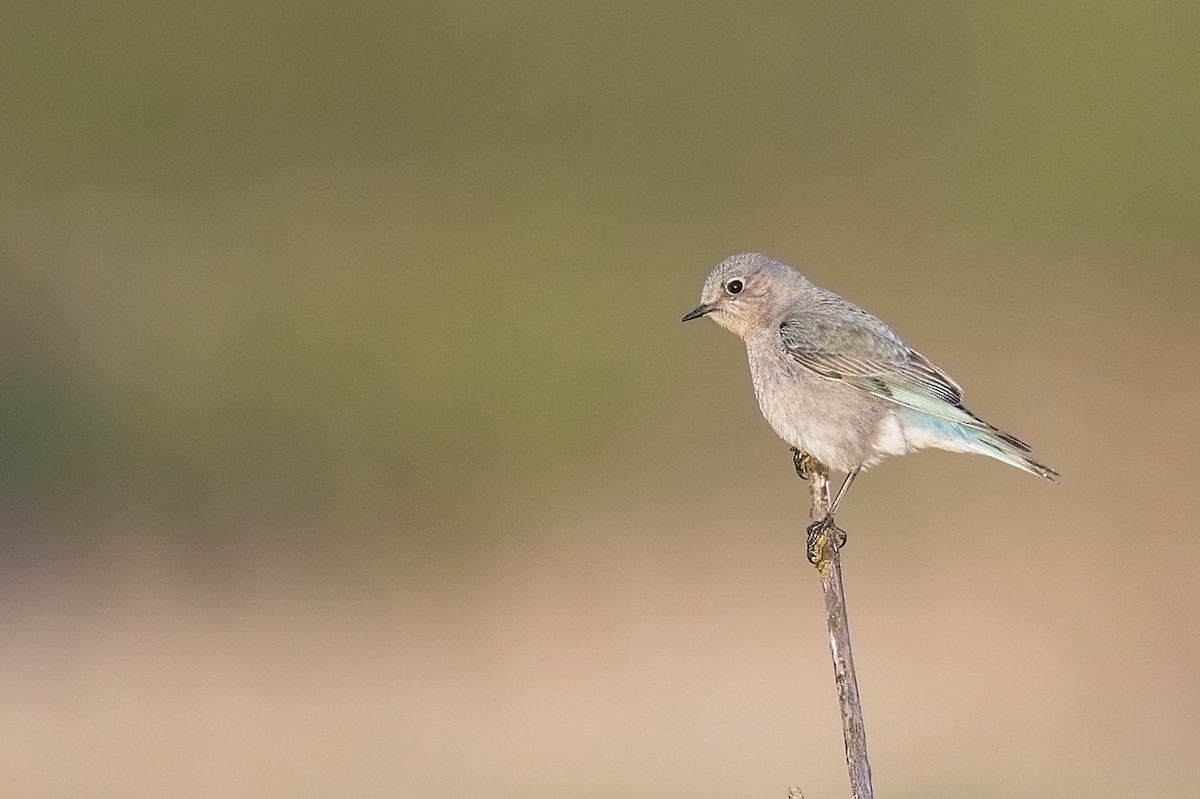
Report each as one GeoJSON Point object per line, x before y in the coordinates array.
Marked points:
{"type": "Point", "coordinates": [352, 445]}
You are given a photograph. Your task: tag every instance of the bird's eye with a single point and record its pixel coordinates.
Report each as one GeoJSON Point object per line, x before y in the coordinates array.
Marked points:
{"type": "Point", "coordinates": [734, 286]}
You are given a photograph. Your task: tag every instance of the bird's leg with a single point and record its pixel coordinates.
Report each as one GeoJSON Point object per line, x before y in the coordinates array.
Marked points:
{"type": "Point", "coordinates": [842, 491]}
{"type": "Point", "coordinates": [806, 467]}
{"type": "Point", "coordinates": [820, 527]}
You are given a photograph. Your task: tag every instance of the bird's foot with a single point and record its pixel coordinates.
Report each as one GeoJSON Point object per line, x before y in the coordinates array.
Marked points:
{"type": "Point", "coordinates": [804, 463]}
{"type": "Point", "coordinates": [817, 531]}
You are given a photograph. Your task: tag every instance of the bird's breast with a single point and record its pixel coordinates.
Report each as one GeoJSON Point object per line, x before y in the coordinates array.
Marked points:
{"type": "Point", "coordinates": [836, 424]}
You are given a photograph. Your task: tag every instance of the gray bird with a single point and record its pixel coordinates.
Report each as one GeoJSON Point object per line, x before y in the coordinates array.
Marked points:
{"type": "Point", "coordinates": [835, 382]}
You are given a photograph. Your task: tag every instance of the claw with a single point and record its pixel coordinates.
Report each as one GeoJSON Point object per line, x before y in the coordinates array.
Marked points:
{"type": "Point", "coordinates": [816, 532]}
{"type": "Point", "coordinates": [803, 462]}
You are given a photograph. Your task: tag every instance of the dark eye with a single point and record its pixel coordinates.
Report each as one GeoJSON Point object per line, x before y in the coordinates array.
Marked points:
{"type": "Point", "coordinates": [734, 286]}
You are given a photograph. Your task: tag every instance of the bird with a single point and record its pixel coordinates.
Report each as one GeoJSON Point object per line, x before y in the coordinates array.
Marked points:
{"type": "Point", "coordinates": [835, 382]}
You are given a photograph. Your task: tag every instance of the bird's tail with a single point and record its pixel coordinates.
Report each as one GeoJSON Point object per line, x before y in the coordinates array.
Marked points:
{"type": "Point", "coordinates": [995, 443]}
{"type": "Point", "coordinates": [958, 430]}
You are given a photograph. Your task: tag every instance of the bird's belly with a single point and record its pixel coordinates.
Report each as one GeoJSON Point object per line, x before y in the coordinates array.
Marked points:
{"type": "Point", "coordinates": [835, 424]}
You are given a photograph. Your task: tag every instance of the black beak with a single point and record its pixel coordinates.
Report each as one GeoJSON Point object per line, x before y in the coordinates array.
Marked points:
{"type": "Point", "coordinates": [696, 313]}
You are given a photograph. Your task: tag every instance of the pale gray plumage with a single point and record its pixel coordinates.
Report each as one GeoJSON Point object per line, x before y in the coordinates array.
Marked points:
{"type": "Point", "coordinates": [835, 381]}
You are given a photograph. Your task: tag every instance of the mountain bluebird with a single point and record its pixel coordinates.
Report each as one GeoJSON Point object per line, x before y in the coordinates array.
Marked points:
{"type": "Point", "coordinates": [835, 382]}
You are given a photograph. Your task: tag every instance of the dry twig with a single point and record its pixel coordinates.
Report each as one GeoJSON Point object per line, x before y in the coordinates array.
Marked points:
{"type": "Point", "coordinates": [823, 543]}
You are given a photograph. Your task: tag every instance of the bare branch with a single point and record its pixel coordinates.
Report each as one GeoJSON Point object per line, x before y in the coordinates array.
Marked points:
{"type": "Point", "coordinates": [823, 543]}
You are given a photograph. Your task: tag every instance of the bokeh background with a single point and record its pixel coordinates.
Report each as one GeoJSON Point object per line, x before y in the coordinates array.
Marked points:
{"type": "Point", "coordinates": [352, 445]}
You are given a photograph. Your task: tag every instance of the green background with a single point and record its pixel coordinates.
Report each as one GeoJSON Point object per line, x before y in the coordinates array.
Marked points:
{"type": "Point", "coordinates": [350, 444]}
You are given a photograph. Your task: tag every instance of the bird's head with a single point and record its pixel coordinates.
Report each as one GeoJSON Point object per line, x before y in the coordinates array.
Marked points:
{"type": "Point", "coordinates": [746, 293]}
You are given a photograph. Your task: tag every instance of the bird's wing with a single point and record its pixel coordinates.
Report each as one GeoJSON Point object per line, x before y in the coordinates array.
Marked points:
{"type": "Point", "coordinates": [857, 350]}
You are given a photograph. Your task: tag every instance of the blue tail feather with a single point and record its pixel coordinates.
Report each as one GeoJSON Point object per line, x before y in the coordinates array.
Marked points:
{"type": "Point", "coordinates": [983, 439]}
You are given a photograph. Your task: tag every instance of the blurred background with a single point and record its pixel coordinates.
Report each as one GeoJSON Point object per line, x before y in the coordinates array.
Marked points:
{"type": "Point", "coordinates": [352, 445]}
